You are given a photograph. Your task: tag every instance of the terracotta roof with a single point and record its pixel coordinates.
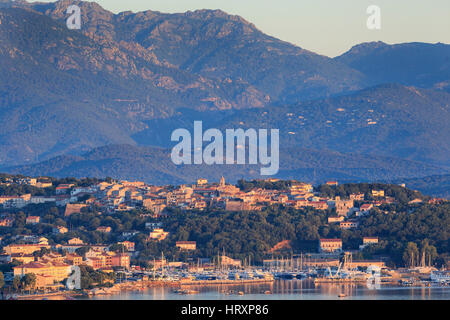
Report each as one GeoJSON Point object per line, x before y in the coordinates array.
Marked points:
{"type": "Point", "coordinates": [330, 240]}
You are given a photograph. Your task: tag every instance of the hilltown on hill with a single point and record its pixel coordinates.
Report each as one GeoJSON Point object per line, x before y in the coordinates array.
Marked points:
{"type": "Point", "coordinates": [51, 263]}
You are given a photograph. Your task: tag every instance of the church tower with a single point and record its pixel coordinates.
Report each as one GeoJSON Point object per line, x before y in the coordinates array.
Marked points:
{"type": "Point", "coordinates": [222, 182]}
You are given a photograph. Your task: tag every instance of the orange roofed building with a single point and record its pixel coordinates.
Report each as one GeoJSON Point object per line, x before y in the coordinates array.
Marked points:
{"type": "Point", "coordinates": [108, 260]}
{"type": "Point", "coordinates": [330, 245]}
{"type": "Point", "coordinates": [51, 271]}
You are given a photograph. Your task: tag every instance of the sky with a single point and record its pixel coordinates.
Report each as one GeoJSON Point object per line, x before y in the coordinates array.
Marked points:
{"type": "Point", "coordinates": [328, 27]}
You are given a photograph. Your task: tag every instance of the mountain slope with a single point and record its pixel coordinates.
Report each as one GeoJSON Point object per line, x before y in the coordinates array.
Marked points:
{"type": "Point", "coordinates": [223, 47]}
{"type": "Point", "coordinates": [417, 64]}
{"type": "Point", "coordinates": [62, 91]}
{"type": "Point", "coordinates": [132, 78]}
{"type": "Point", "coordinates": [155, 166]}
{"type": "Point", "coordinates": [387, 120]}
{"type": "Point", "coordinates": [438, 186]}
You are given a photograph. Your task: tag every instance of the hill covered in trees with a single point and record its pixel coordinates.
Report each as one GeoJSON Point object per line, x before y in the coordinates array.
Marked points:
{"type": "Point", "coordinates": [153, 165]}
{"type": "Point", "coordinates": [438, 186]}
{"type": "Point", "coordinates": [404, 229]}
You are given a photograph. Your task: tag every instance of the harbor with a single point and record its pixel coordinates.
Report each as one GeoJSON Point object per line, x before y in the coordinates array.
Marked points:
{"type": "Point", "coordinates": [257, 283]}
{"type": "Point", "coordinates": [284, 290]}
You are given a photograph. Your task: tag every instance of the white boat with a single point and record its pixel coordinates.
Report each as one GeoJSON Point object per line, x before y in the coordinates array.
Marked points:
{"type": "Point", "coordinates": [233, 276]}
{"type": "Point", "coordinates": [246, 275]}
{"type": "Point", "coordinates": [440, 276]}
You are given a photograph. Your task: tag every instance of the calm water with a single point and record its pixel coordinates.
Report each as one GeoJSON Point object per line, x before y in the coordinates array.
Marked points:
{"type": "Point", "coordinates": [290, 290]}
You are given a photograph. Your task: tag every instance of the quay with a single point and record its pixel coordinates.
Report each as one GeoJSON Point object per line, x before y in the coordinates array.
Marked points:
{"type": "Point", "coordinates": [339, 280]}
{"type": "Point", "coordinates": [223, 281]}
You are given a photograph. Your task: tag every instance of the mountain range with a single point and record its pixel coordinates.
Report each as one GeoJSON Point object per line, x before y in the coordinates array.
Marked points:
{"type": "Point", "coordinates": [129, 79]}
{"type": "Point", "coordinates": [388, 120]}
{"type": "Point", "coordinates": [153, 164]}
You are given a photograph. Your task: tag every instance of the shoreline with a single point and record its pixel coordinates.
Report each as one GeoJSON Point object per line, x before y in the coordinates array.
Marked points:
{"type": "Point", "coordinates": [145, 285]}
{"type": "Point", "coordinates": [66, 295]}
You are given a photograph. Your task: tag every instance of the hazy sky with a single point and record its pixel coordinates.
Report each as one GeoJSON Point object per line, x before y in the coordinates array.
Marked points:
{"type": "Point", "coordinates": [328, 27]}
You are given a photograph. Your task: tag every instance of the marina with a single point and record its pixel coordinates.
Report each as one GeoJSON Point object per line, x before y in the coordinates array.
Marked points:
{"type": "Point", "coordinates": [286, 290]}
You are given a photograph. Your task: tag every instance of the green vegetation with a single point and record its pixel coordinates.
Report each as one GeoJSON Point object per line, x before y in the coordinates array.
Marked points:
{"type": "Point", "coordinates": [438, 186]}
{"type": "Point", "coordinates": [8, 267]}
{"type": "Point", "coordinates": [16, 189]}
{"type": "Point", "coordinates": [253, 234]}
{"type": "Point", "coordinates": [428, 225]}
{"type": "Point", "coordinates": [27, 282]}
{"type": "Point", "coordinates": [399, 226]}
{"type": "Point", "coordinates": [148, 163]}
{"type": "Point", "coordinates": [402, 195]}
{"type": "Point", "coordinates": [249, 185]}
{"type": "Point", "coordinates": [91, 278]}
{"type": "Point", "coordinates": [21, 189]}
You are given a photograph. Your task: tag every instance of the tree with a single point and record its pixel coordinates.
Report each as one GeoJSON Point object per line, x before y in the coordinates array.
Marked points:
{"type": "Point", "coordinates": [427, 253]}
{"type": "Point", "coordinates": [411, 255]}
{"type": "Point", "coordinates": [41, 253]}
{"type": "Point", "coordinates": [431, 254]}
{"type": "Point", "coordinates": [118, 248]}
{"type": "Point", "coordinates": [82, 250]}
{"type": "Point", "coordinates": [28, 281]}
{"type": "Point", "coordinates": [16, 283]}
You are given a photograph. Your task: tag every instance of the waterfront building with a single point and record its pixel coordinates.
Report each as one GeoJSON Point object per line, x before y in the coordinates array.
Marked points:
{"type": "Point", "coordinates": [54, 271]}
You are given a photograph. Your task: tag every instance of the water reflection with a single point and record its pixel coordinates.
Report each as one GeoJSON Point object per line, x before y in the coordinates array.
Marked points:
{"type": "Point", "coordinates": [288, 290]}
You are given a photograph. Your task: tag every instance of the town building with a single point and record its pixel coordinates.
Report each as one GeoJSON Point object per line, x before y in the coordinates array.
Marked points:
{"type": "Point", "coordinates": [349, 224]}
{"type": "Point", "coordinates": [368, 241]}
{"type": "Point", "coordinates": [24, 248]}
{"type": "Point", "coordinates": [228, 262]}
{"type": "Point", "coordinates": [330, 245]}
{"type": "Point", "coordinates": [73, 259]}
{"type": "Point", "coordinates": [186, 245]}
{"type": "Point", "coordinates": [32, 220]}
{"type": "Point", "coordinates": [60, 230]}
{"type": "Point", "coordinates": [202, 182]}
{"type": "Point", "coordinates": [335, 219]}
{"type": "Point", "coordinates": [48, 272]}
{"type": "Point", "coordinates": [104, 229]}
{"type": "Point", "coordinates": [158, 234]}
{"type": "Point", "coordinates": [377, 193]}
{"type": "Point", "coordinates": [128, 245]}
{"type": "Point", "coordinates": [75, 241]}
{"type": "Point", "coordinates": [366, 207]}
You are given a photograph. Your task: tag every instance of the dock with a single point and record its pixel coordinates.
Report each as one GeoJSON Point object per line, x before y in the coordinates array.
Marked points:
{"type": "Point", "coordinates": [224, 282]}
{"type": "Point", "coordinates": [340, 280]}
